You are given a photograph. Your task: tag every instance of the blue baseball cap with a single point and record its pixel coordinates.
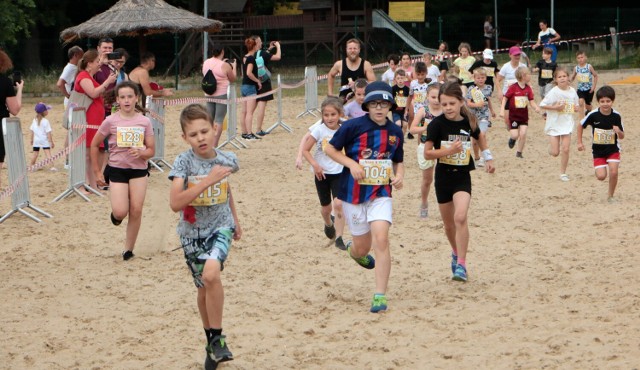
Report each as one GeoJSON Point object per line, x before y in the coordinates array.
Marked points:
{"type": "Point", "coordinates": [377, 90]}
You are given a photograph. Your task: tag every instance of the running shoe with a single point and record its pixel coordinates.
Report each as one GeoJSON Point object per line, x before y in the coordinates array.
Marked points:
{"type": "Point", "coordinates": [262, 133]}
{"type": "Point", "coordinates": [330, 231]}
{"type": "Point", "coordinates": [564, 177]}
{"type": "Point", "coordinates": [460, 273]}
{"type": "Point", "coordinates": [367, 261]}
{"type": "Point", "coordinates": [409, 136]}
{"type": "Point", "coordinates": [454, 263]}
{"type": "Point", "coordinates": [379, 303]}
{"type": "Point", "coordinates": [114, 220]}
{"type": "Point", "coordinates": [340, 244]}
{"type": "Point", "coordinates": [254, 137]}
{"type": "Point", "coordinates": [424, 212]}
{"type": "Point", "coordinates": [512, 143]}
{"type": "Point", "coordinates": [218, 350]}
{"type": "Point", "coordinates": [480, 162]}
{"type": "Point", "coordinates": [519, 155]}
{"type": "Point", "coordinates": [127, 255]}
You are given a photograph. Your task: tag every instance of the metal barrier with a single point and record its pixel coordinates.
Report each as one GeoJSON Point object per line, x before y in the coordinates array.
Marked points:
{"type": "Point", "coordinates": [280, 122]}
{"type": "Point", "coordinates": [14, 145]}
{"type": "Point", "coordinates": [77, 158]}
{"type": "Point", "coordinates": [232, 120]}
{"type": "Point", "coordinates": [156, 115]}
{"type": "Point", "coordinates": [310, 92]}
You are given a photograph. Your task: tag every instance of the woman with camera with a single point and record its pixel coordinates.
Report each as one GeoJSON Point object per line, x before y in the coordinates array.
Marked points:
{"type": "Point", "coordinates": [266, 85]}
{"type": "Point", "coordinates": [10, 96]}
{"type": "Point", "coordinates": [224, 70]}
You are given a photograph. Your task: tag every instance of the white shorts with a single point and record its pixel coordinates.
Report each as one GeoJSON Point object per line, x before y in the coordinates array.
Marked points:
{"type": "Point", "coordinates": [358, 216]}
{"type": "Point", "coordinates": [423, 164]}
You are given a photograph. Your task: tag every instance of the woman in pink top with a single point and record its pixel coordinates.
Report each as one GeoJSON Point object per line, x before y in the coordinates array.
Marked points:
{"type": "Point", "coordinates": [224, 71]}
{"type": "Point", "coordinates": [131, 144]}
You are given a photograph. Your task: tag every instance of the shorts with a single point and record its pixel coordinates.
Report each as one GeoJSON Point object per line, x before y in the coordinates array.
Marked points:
{"type": "Point", "coordinates": [248, 90]}
{"type": "Point", "coordinates": [217, 110]}
{"type": "Point", "coordinates": [328, 188]}
{"type": "Point", "coordinates": [37, 148]}
{"type": "Point", "coordinates": [423, 164]}
{"type": "Point", "coordinates": [586, 96]}
{"type": "Point", "coordinates": [514, 125]}
{"type": "Point", "coordinates": [358, 216]}
{"type": "Point", "coordinates": [484, 125]}
{"type": "Point", "coordinates": [266, 87]}
{"type": "Point", "coordinates": [198, 251]}
{"type": "Point", "coordinates": [544, 90]}
{"type": "Point", "coordinates": [447, 183]}
{"type": "Point", "coordinates": [395, 116]}
{"type": "Point", "coordinates": [123, 175]}
{"type": "Point", "coordinates": [602, 161]}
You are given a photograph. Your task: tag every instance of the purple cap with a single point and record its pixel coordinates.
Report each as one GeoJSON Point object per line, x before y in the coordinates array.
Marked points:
{"type": "Point", "coordinates": [42, 107]}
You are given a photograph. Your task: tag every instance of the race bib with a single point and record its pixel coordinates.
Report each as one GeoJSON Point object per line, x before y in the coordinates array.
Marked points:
{"type": "Point", "coordinates": [601, 136]}
{"type": "Point", "coordinates": [376, 171]}
{"type": "Point", "coordinates": [419, 97]}
{"type": "Point", "coordinates": [476, 95]}
{"type": "Point", "coordinates": [458, 159]}
{"type": "Point", "coordinates": [569, 107]}
{"type": "Point", "coordinates": [130, 137]}
{"type": "Point", "coordinates": [583, 77]}
{"type": "Point", "coordinates": [521, 101]}
{"type": "Point", "coordinates": [401, 101]}
{"type": "Point", "coordinates": [546, 73]}
{"type": "Point", "coordinates": [490, 71]}
{"type": "Point", "coordinates": [217, 193]}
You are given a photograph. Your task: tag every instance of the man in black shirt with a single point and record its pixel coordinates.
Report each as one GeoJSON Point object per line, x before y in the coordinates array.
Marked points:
{"type": "Point", "coordinates": [350, 69]}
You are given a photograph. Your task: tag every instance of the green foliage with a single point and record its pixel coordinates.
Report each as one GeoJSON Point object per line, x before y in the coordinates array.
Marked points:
{"type": "Point", "coordinates": [15, 20]}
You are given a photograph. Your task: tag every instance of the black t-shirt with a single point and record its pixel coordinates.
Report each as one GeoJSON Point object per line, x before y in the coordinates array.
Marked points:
{"type": "Point", "coordinates": [491, 69]}
{"type": "Point", "coordinates": [250, 59]}
{"type": "Point", "coordinates": [605, 140]}
{"type": "Point", "coordinates": [443, 131]}
{"type": "Point", "coordinates": [6, 91]}
{"type": "Point", "coordinates": [400, 95]}
{"type": "Point", "coordinates": [545, 69]}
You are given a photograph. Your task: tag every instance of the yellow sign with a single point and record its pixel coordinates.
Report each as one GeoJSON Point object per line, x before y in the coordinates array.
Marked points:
{"type": "Point", "coordinates": [406, 11]}
{"type": "Point", "coordinates": [288, 8]}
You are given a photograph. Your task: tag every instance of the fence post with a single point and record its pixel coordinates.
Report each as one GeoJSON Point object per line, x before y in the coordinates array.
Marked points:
{"type": "Point", "coordinates": [232, 120]}
{"type": "Point", "coordinates": [77, 156]}
{"type": "Point", "coordinates": [280, 122]}
{"type": "Point", "coordinates": [14, 145]}
{"type": "Point", "coordinates": [310, 91]}
{"type": "Point", "coordinates": [156, 115]}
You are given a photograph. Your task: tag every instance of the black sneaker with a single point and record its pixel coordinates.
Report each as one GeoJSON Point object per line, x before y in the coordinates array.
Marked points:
{"type": "Point", "coordinates": [262, 133]}
{"type": "Point", "coordinates": [254, 137]}
{"type": "Point", "coordinates": [246, 136]}
{"type": "Point", "coordinates": [114, 220]}
{"type": "Point", "coordinates": [409, 136]}
{"type": "Point", "coordinates": [127, 255]}
{"type": "Point", "coordinates": [330, 231]}
{"type": "Point", "coordinates": [519, 155]}
{"type": "Point", "coordinates": [512, 143]}
{"type": "Point", "coordinates": [218, 350]}
{"type": "Point", "coordinates": [340, 244]}
{"type": "Point", "coordinates": [209, 364]}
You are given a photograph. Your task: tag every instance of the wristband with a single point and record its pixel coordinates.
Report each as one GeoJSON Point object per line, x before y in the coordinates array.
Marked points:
{"type": "Point", "coordinates": [486, 154]}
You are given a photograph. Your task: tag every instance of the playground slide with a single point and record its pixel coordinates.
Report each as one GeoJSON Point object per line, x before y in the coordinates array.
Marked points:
{"type": "Point", "coordinates": [382, 20]}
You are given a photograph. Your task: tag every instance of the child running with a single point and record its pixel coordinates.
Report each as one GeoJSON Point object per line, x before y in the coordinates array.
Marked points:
{"type": "Point", "coordinates": [519, 96]}
{"type": "Point", "coordinates": [479, 101]}
{"type": "Point", "coordinates": [448, 141]}
{"type": "Point", "coordinates": [421, 120]}
{"type": "Point", "coordinates": [326, 171]}
{"type": "Point", "coordinates": [587, 82]}
{"type": "Point", "coordinates": [202, 194]}
{"type": "Point", "coordinates": [417, 92]}
{"type": "Point", "coordinates": [353, 109]}
{"type": "Point", "coordinates": [131, 144]}
{"type": "Point", "coordinates": [607, 129]}
{"type": "Point", "coordinates": [372, 165]}
{"type": "Point", "coordinates": [560, 103]}
{"type": "Point", "coordinates": [400, 95]}
{"type": "Point", "coordinates": [545, 68]}
{"type": "Point", "coordinates": [464, 62]}
{"type": "Point", "coordinates": [41, 134]}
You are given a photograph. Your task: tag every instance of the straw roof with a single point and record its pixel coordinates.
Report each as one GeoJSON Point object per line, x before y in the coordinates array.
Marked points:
{"type": "Point", "coordinates": [139, 18]}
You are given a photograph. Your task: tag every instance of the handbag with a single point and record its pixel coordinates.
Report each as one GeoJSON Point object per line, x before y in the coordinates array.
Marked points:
{"type": "Point", "coordinates": [76, 99]}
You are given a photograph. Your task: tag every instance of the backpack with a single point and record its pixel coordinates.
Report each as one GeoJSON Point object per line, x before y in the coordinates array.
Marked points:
{"type": "Point", "coordinates": [209, 83]}
{"type": "Point", "coordinates": [263, 72]}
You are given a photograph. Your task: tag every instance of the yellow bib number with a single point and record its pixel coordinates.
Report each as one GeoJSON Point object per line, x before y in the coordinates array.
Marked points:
{"type": "Point", "coordinates": [601, 136]}
{"type": "Point", "coordinates": [477, 95]}
{"type": "Point", "coordinates": [217, 193]}
{"type": "Point", "coordinates": [130, 137]}
{"type": "Point", "coordinates": [583, 77]}
{"type": "Point", "coordinates": [419, 96]}
{"type": "Point", "coordinates": [376, 171]}
{"type": "Point", "coordinates": [457, 159]}
{"type": "Point", "coordinates": [401, 101]}
{"type": "Point", "coordinates": [521, 101]}
{"type": "Point", "coordinates": [546, 73]}
{"type": "Point", "coordinates": [490, 71]}
{"type": "Point", "coordinates": [569, 107]}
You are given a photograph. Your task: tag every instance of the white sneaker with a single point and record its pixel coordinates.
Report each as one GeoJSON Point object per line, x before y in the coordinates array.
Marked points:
{"type": "Point", "coordinates": [480, 162]}
{"type": "Point", "coordinates": [66, 166]}
{"type": "Point", "coordinates": [564, 177]}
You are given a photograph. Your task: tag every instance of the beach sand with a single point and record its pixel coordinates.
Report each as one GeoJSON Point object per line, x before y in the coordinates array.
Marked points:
{"type": "Point", "coordinates": [553, 269]}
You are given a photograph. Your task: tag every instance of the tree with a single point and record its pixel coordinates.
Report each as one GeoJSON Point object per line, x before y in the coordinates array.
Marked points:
{"type": "Point", "coordinates": [14, 20]}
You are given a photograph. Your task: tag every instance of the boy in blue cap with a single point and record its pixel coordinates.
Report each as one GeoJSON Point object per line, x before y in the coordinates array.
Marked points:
{"type": "Point", "coordinates": [372, 161]}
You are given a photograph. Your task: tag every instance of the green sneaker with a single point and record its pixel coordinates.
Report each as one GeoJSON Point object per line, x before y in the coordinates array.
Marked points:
{"type": "Point", "coordinates": [367, 261]}
{"type": "Point", "coordinates": [379, 303]}
{"type": "Point", "coordinates": [218, 350]}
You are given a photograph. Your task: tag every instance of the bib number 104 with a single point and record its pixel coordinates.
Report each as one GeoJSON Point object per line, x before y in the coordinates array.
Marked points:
{"type": "Point", "coordinates": [376, 171]}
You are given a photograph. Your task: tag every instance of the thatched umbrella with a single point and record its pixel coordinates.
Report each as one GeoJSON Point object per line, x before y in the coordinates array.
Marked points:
{"type": "Point", "coordinates": [140, 18]}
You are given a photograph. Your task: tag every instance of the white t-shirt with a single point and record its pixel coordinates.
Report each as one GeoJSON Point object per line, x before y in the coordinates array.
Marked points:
{"type": "Point", "coordinates": [433, 73]}
{"type": "Point", "coordinates": [509, 73]}
{"type": "Point", "coordinates": [323, 135]}
{"type": "Point", "coordinates": [40, 132]}
{"type": "Point", "coordinates": [560, 123]}
{"type": "Point", "coordinates": [353, 109]}
{"type": "Point", "coordinates": [68, 75]}
{"type": "Point", "coordinates": [388, 77]}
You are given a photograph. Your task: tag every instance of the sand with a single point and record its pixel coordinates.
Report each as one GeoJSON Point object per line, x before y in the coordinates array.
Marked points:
{"type": "Point", "coordinates": [553, 276]}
